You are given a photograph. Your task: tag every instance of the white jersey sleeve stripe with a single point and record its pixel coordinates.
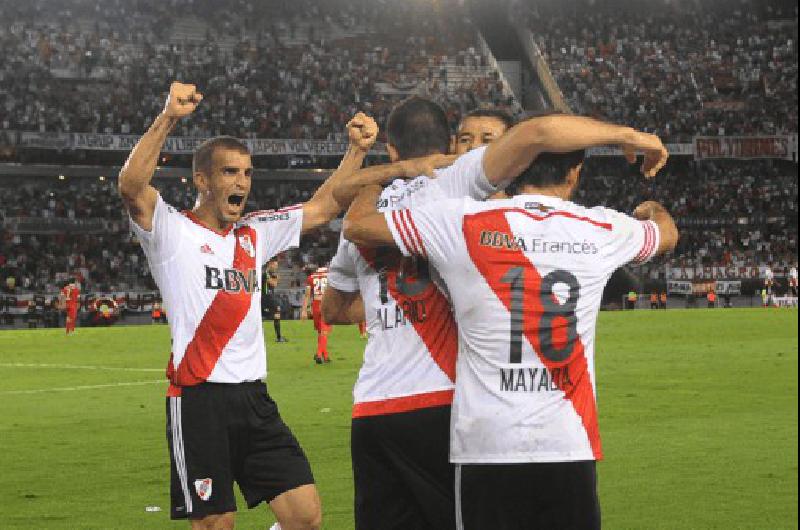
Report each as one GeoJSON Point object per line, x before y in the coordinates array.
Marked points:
{"type": "Point", "coordinates": [414, 247]}
{"type": "Point", "coordinates": [415, 234]}
{"type": "Point", "coordinates": [651, 242]}
{"type": "Point", "coordinates": [392, 220]}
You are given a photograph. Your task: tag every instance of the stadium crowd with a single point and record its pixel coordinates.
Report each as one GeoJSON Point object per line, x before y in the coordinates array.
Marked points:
{"type": "Point", "coordinates": [682, 68]}
{"type": "Point", "coordinates": [268, 69]}
{"type": "Point", "coordinates": [730, 213]}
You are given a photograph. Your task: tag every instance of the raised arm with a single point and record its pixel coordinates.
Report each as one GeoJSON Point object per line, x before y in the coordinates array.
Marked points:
{"type": "Point", "coordinates": [323, 207]}
{"type": "Point", "coordinates": [512, 153]}
{"type": "Point", "coordinates": [668, 231]}
{"type": "Point", "coordinates": [137, 194]}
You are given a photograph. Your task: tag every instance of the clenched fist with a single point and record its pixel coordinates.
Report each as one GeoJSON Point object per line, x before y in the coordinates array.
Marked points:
{"type": "Point", "coordinates": [362, 131]}
{"type": "Point", "coordinates": [182, 100]}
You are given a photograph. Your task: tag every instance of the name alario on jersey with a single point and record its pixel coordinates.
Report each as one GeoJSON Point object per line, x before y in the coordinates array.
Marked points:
{"type": "Point", "coordinates": [231, 280]}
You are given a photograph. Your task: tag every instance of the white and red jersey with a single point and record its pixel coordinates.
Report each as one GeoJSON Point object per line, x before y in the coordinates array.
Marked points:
{"type": "Point", "coordinates": [209, 282]}
{"type": "Point", "coordinates": [793, 277]}
{"type": "Point", "coordinates": [769, 276]}
{"type": "Point", "coordinates": [409, 360]}
{"type": "Point", "coordinates": [526, 277]}
{"type": "Point", "coordinates": [317, 282]}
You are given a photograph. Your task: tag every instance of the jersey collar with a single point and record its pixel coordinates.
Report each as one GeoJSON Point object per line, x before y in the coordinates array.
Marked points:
{"type": "Point", "coordinates": [192, 217]}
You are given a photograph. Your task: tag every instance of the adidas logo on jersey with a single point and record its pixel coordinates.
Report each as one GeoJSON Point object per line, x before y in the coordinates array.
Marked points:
{"type": "Point", "coordinates": [205, 249]}
{"type": "Point", "coordinates": [231, 280]}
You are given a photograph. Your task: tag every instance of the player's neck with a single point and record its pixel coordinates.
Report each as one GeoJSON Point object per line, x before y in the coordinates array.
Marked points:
{"type": "Point", "coordinates": [205, 214]}
{"type": "Point", "coordinates": [562, 192]}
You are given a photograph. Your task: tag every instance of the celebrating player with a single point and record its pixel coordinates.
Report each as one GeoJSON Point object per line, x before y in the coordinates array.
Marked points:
{"type": "Point", "coordinates": [222, 425]}
{"type": "Point", "coordinates": [316, 283]}
{"type": "Point", "coordinates": [480, 127]}
{"type": "Point", "coordinates": [400, 427]}
{"type": "Point", "coordinates": [70, 297]}
{"type": "Point", "coordinates": [526, 275]}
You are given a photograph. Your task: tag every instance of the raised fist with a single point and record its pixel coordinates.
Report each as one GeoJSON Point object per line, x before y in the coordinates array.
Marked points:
{"type": "Point", "coordinates": [362, 131]}
{"type": "Point", "coordinates": [182, 100]}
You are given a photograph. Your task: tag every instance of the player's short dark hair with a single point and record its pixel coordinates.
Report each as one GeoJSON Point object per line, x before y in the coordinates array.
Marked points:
{"type": "Point", "coordinates": [204, 154]}
{"type": "Point", "coordinates": [548, 169]}
{"type": "Point", "coordinates": [418, 127]}
{"type": "Point", "coordinates": [497, 114]}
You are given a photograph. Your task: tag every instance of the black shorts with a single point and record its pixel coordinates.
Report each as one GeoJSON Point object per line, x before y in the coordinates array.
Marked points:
{"type": "Point", "coordinates": [219, 434]}
{"type": "Point", "coordinates": [559, 495]}
{"type": "Point", "coordinates": [403, 478]}
{"type": "Point", "coordinates": [269, 304]}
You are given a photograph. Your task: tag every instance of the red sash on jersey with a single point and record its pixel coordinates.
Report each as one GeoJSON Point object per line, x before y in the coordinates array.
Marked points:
{"type": "Point", "coordinates": [493, 263]}
{"type": "Point", "coordinates": [221, 320]}
{"type": "Point", "coordinates": [438, 332]}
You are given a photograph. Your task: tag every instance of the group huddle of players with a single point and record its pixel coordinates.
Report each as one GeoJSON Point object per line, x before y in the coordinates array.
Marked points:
{"type": "Point", "coordinates": [475, 405]}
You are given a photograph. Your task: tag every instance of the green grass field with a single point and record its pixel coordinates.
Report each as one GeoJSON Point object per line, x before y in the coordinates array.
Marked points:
{"type": "Point", "coordinates": [698, 414]}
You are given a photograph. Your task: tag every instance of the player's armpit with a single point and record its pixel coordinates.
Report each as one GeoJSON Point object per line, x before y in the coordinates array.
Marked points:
{"type": "Point", "coordinates": [341, 307]}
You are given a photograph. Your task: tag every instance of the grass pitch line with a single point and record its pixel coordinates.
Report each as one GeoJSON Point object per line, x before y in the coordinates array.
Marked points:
{"type": "Point", "coordinates": [84, 387]}
{"type": "Point", "coordinates": [81, 367]}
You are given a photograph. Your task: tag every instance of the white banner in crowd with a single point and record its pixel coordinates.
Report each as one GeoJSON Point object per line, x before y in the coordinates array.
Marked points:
{"type": "Point", "coordinates": [702, 148]}
{"type": "Point", "coordinates": [723, 287]}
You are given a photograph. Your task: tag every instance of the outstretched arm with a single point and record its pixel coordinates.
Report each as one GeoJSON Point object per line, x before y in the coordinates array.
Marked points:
{"type": "Point", "coordinates": [508, 156]}
{"type": "Point", "coordinates": [137, 194]}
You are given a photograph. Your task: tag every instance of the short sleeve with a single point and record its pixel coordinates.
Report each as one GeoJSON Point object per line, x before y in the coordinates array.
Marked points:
{"type": "Point", "coordinates": [430, 231]}
{"type": "Point", "coordinates": [342, 272]}
{"type": "Point", "coordinates": [278, 230]}
{"type": "Point", "coordinates": [466, 177]}
{"type": "Point", "coordinates": [163, 240]}
{"type": "Point", "coordinates": [631, 241]}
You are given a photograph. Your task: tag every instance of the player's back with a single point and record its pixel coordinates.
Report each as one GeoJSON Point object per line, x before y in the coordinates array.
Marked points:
{"type": "Point", "coordinates": [526, 277]}
{"type": "Point", "coordinates": [409, 360]}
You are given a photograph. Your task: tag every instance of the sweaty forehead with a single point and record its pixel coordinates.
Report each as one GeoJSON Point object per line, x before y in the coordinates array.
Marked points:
{"type": "Point", "coordinates": [477, 126]}
{"type": "Point", "coordinates": [230, 158]}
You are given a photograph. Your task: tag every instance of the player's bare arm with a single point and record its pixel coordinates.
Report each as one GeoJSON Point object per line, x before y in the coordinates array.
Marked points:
{"type": "Point", "coordinates": [306, 302]}
{"type": "Point", "coordinates": [346, 190]}
{"type": "Point", "coordinates": [363, 224]}
{"type": "Point", "coordinates": [362, 132]}
{"type": "Point", "coordinates": [341, 307]}
{"type": "Point", "coordinates": [668, 231]}
{"type": "Point", "coordinates": [512, 153]}
{"type": "Point", "coordinates": [134, 178]}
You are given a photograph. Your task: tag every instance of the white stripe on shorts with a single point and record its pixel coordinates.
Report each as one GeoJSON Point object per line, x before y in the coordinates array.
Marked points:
{"type": "Point", "coordinates": [459, 518]}
{"type": "Point", "coordinates": [177, 450]}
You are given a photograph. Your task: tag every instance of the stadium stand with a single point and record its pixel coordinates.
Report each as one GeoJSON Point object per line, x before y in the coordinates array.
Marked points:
{"type": "Point", "coordinates": [300, 69]}
{"type": "Point", "coordinates": [682, 68]}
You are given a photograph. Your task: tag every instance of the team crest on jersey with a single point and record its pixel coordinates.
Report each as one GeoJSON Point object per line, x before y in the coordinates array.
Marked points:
{"type": "Point", "coordinates": [247, 244]}
{"type": "Point", "coordinates": [203, 488]}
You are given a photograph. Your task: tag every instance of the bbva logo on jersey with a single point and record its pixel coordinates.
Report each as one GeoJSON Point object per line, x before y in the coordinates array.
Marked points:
{"type": "Point", "coordinates": [231, 280]}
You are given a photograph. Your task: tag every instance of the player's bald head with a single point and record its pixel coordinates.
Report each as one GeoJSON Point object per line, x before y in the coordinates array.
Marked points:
{"type": "Point", "coordinates": [418, 127]}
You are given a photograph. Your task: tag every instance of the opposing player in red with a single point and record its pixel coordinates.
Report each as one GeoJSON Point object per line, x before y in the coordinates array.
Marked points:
{"type": "Point", "coordinates": [316, 284]}
{"type": "Point", "coordinates": [525, 276]}
{"type": "Point", "coordinates": [222, 426]}
{"type": "Point", "coordinates": [70, 297]}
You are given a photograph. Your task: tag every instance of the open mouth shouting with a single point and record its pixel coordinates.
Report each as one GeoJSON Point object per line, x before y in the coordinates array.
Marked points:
{"type": "Point", "coordinates": [236, 199]}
